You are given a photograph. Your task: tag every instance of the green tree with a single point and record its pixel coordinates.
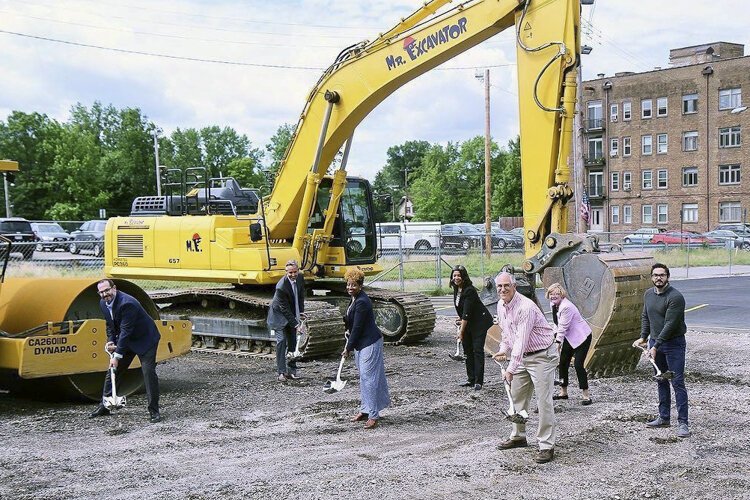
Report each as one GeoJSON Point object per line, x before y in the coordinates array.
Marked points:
{"type": "Point", "coordinates": [404, 162]}
{"type": "Point", "coordinates": [507, 195]}
{"type": "Point", "coordinates": [276, 150]}
{"type": "Point", "coordinates": [31, 140]}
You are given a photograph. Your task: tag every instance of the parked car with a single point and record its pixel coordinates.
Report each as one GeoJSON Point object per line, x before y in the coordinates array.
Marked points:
{"type": "Point", "coordinates": [19, 232]}
{"type": "Point", "coordinates": [736, 238]}
{"type": "Point", "coordinates": [460, 235]}
{"type": "Point", "coordinates": [518, 231]}
{"type": "Point", "coordinates": [676, 237]}
{"type": "Point", "coordinates": [500, 237]}
{"type": "Point", "coordinates": [50, 236]}
{"type": "Point", "coordinates": [90, 237]}
{"type": "Point", "coordinates": [737, 227]}
{"type": "Point", "coordinates": [413, 235]}
{"type": "Point", "coordinates": [642, 235]}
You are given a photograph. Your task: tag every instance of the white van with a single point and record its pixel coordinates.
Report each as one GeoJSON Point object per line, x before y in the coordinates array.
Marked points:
{"type": "Point", "coordinates": [413, 235]}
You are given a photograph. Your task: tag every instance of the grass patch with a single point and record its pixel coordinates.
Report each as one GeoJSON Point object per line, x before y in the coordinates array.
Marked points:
{"type": "Point", "coordinates": [703, 256]}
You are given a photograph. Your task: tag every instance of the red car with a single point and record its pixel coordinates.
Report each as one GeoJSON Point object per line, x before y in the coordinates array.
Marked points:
{"type": "Point", "coordinates": [675, 237]}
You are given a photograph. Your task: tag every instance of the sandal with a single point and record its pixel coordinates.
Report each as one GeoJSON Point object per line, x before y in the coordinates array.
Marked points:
{"type": "Point", "coordinates": [558, 396]}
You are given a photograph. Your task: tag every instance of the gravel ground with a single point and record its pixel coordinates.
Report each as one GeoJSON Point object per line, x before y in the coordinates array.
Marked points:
{"type": "Point", "coordinates": [232, 431]}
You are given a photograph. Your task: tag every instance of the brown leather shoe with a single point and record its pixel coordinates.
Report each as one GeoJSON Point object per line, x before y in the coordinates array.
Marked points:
{"type": "Point", "coordinates": [359, 417]}
{"type": "Point", "coordinates": [512, 443]}
{"type": "Point", "coordinates": [544, 456]}
{"type": "Point", "coordinates": [371, 424]}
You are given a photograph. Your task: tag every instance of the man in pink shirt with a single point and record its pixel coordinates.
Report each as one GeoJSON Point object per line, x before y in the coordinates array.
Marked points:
{"type": "Point", "coordinates": [528, 343]}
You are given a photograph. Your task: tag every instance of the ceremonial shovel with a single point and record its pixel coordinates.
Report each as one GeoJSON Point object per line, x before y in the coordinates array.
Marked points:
{"type": "Point", "coordinates": [457, 356]}
{"type": "Point", "coordinates": [667, 375]}
{"type": "Point", "coordinates": [511, 414]}
{"type": "Point", "coordinates": [337, 384]}
{"type": "Point", "coordinates": [113, 402]}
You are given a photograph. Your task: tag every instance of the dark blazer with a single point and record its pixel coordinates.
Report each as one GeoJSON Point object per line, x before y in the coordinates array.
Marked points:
{"type": "Point", "coordinates": [281, 313]}
{"type": "Point", "coordinates": [471, 309]}
{"type": "Point", "coordinates": [360, 321]}
{"type": "Point", "coordinates": [130, 326]}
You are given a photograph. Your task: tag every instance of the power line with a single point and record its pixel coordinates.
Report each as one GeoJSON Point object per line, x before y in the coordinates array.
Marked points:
{"type": "Point", "coordinates": [154, 54]}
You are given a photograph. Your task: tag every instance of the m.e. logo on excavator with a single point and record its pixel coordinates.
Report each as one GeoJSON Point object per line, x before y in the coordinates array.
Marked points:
{"type": "Point", "coordinates": [193, 244]}
{"type": "Point", "coordinates": [415, 48]}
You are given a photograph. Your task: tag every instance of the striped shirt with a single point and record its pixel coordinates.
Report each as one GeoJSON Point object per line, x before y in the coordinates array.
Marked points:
{"type": "Point", "coordinates": [525, 329]}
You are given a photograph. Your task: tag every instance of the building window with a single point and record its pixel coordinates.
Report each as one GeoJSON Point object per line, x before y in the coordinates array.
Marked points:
{"type": "Point", "coordinates": [661, 178]}
{"type": "Point", "coordinates": [614, 146]}
{"type": "Point", "coordinates": [615, 214]}
{"type": "Point", "coordinates": [626, 110]}
{"type": "Point", "coordinates": [647, 179]}
{"type": "Point", "coordinates": [730, 137]}
{"type": "Point", "coordinates": [615, 181]}
{"type": "Point", "coordinates": [729, 174]}
{"type": "Point", "coordinates": [689, 104]}
{"type": "Point", "coordinates": [689, 212]}
{"type": "Point", "coordinates": [596, 184]}
{"type": "Point", "coordinates": [689, 176]}
{"type": "Point", "coordinates": [730, 211]}
{"type": "Point", "coordinates": [690, 140]}
{"type": "Point", "coordinates": [627, 214]}
{"type": "Point", "coordinates": [661, 106]}
{"type": "Point", "coordinates": [661, 213]}
{"type": "Point", "coordinates": [594, 115]}
{"type": "Point", "coordinates": [626, 146]}
{"type": "Point", "coordinates": [647, 108]}
{"type": "Point", "coordinates": [596, 145]}
{"type": "Point", "coordinates": [647, 144]}
{"type": "Point", "coordinates": [730, 98]}
{"type": "Point", "coordinates": [627, 181]}
{"type": "Point", "coordinates": [647, 214]}
{"type": "Point", "coordinates": [614, 110]}
{"type": "Point", "coordinates": [661, 143]}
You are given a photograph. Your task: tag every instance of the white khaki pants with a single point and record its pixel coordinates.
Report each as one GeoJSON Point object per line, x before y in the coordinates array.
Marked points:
{"type": "Point", "coordinates": [536, 374]}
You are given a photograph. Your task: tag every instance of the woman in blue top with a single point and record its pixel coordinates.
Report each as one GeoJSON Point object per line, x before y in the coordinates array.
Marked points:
{"type": "Point", "coordinates": [366, 341]}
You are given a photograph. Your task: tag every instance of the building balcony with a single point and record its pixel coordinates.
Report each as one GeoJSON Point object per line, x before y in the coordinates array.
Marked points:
{"type": "Point", "coordinates": [593, 161]}
{"type": "Point", "coordinates": [593, 124]}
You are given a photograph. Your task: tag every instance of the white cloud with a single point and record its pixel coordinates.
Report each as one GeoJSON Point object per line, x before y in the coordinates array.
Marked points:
{"type": "Point", "coordinates": [440, 106]}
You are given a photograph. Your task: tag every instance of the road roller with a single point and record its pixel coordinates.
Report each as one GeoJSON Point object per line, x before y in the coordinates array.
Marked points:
{"type": "Point", "coordinates": [52, 338]}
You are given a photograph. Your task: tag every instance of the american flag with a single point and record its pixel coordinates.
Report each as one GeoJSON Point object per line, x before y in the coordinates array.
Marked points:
{"type": "Point", "coordinates": [585, 207]}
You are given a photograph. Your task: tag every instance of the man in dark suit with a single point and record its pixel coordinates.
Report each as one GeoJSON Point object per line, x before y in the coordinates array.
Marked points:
{"type": "Point", "coordinates": [284, 318]}
{"type": "Point", "coordinates": [131, 332]}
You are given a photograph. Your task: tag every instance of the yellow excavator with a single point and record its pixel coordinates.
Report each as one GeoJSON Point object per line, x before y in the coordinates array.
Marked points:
{"type": "Point", "coordinates": [52, 334]}
{"type": "Point", "coordinates": [211, 230]}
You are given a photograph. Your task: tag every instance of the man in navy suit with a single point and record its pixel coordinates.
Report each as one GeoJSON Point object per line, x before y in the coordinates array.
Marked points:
{"type": "Point", "coordinates": [131, 332]}
{"type": "Point", "coordinates": [284, 318]}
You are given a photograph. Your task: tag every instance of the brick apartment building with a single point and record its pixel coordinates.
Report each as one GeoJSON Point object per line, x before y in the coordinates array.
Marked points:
{"type": "Point", "coordinates": [668, 142]}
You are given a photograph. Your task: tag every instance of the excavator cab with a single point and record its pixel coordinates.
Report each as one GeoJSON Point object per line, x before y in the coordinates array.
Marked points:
{"type": "Point", "coordinates": [354, 230]}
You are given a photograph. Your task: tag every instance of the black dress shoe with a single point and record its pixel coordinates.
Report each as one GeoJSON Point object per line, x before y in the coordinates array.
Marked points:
{"type": "Point", "coordinates": [466, 384]}
{"type": "Point", "coordinates": [155, 417]}
{"type": "Point", "coordinates": [100, 411]}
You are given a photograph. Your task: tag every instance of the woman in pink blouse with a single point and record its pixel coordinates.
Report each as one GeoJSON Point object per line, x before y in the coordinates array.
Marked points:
{"type": "Point", "coordinates": [573, 336]}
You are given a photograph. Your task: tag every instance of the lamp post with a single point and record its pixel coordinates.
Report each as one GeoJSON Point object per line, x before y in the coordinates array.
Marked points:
{"type": "Point", "coordinates": [156, 155]}
{"type": "Point", "coordinates": [8, 167]}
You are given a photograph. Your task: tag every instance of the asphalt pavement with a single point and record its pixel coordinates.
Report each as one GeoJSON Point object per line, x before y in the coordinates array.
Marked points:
{"type": "Point", "coordinates": [714, 298]}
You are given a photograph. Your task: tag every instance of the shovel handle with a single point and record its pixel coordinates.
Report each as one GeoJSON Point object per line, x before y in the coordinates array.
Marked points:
{"type": "Point", "coordinates": [341, 366]}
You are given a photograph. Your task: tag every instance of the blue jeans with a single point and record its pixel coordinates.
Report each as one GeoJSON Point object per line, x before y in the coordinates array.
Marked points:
{"type": "Point", "coordinates": [671, 356]}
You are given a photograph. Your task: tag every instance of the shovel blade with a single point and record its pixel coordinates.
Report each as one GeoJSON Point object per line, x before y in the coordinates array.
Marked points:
{"type": "Point", "coordinates": [456, 357]}
{"type": "Point", "coordinates": [335, 386]}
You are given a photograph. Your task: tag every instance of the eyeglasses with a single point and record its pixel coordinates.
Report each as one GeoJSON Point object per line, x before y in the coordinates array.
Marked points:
{"type": "Point", "coordinates": [105, 291]}
{"type": "Point", "coordinates": [658, 275]}
{"type": "Point", "coordinates": [504, 286]}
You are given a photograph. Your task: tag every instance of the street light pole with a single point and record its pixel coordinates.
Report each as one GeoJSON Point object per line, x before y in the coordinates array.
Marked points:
{"type": "Point", "coordinates": [8, 211]}
{"type": "Point", "coordinates": [156, 155]}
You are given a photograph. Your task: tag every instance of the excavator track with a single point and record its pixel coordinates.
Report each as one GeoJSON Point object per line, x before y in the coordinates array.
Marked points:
{"type": "Point", "coordinates": [233, 320]}
{"type": "Point", "coordinates": [403, 317]}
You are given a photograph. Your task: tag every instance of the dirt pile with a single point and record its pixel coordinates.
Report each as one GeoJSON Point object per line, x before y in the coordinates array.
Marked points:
{"type": "Point", "coordinates": [232, 431]}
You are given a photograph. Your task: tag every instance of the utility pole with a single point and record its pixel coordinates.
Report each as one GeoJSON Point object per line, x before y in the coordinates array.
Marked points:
{"type": "Point", "coordinates": [156, 155]}
{"type": "Point", "coordinates": [487, 190]}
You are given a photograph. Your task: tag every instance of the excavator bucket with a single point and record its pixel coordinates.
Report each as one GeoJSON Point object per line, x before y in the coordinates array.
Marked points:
{"type": "Point", "coordinates": [608, 290]}
{"type": "Point", "coordinates": [52, 338]}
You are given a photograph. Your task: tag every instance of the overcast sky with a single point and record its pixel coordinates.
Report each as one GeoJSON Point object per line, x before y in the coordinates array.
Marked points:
{"type": "Point", "coordinates": [49, 61]}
